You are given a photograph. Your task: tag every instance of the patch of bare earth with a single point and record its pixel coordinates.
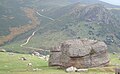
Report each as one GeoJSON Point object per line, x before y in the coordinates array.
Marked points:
{"type": "Point", "coordinates": [15, 31]}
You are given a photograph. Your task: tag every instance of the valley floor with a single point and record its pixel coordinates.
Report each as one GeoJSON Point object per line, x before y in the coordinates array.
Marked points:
{"type": "Point", "coordinates": [10, 63]}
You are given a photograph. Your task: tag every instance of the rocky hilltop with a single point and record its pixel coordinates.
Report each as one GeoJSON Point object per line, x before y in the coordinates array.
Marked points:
{"type": "Point", "coordinates": [84, 21]}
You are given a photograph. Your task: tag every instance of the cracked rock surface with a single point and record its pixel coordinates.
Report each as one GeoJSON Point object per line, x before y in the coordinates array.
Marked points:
{"type": "Point", "coordinates": [80, 53]}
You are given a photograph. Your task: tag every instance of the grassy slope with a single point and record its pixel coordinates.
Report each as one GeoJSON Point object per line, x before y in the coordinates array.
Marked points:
{"type": "Point", "coordinates": [10, 64]}
{"type": "Point", "coordinates": [15, 47]}
{"type": "Point", "coordinates": [47, 39]}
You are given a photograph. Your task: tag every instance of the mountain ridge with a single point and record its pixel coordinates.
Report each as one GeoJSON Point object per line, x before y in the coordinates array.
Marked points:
{"type": "Point", "coordinates": [96, 1]}
{"type": "Point", "coordinates": [92, 21]}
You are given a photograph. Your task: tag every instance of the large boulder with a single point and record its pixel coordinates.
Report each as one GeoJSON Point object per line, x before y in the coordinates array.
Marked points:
{"type": "Point", "coordinates": [80, 53]}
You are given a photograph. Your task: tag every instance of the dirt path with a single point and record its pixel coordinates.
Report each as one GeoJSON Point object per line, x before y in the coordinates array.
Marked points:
{"type": "Point", "coordinates": [28, 39]}
{"type": "Point", "coordinates": [45, 16]}
{"type": "Point", "coordinates": [15, 31]}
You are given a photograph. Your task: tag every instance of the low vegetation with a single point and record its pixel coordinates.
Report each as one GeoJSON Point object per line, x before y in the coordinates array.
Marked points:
{"type": "Point", "coordinates": [10, 63]}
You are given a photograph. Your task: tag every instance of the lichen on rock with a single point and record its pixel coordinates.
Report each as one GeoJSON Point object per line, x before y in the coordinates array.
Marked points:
{"type": "Point", "coordinates": [80, 53]}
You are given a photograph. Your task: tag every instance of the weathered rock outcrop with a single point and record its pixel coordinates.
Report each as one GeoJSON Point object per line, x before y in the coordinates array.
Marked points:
{"type": "Point", "coordinates": [80, 53]}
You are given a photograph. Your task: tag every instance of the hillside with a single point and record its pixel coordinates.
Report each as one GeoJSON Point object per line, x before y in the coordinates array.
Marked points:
{"type": "Point", "coordinates": [107, 5]}
{"type": "Point", "coordinates": [18, 17]}
{"type": "Point", "coordinates": [93, 22]}
{"type": "Point", "coordinates": [15, 21]}
{"type": "Point", "coordinates": [47, 23]}
{"type": "Point", "coordinates": [30, 29]}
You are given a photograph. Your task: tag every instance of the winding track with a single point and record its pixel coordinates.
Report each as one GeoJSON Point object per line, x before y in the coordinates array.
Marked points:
{"type": "Point", "coordinates": [29, 38]}
{"type": "Point", "coordinates": [45, 16]}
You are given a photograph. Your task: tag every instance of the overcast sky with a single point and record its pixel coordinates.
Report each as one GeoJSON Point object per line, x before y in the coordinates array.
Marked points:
{"type": "Point", "coordinates": [115, 2]}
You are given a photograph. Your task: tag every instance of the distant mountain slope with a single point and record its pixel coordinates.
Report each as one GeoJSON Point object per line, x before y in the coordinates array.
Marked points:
{"type": "Point", "coordinates": [19, 16]}
{"type": "Point", "coordinates": [20, 19]}
{"type": "Point", "coordinates": [94, 2]}
{"type": "Point", "coordinates": [11, 15]}
{"type": "Point", "coordinates": [92, 21]}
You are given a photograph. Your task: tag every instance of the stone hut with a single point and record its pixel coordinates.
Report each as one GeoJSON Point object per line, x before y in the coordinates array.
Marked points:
{"type": "Point", "coordinates": [80, 53]}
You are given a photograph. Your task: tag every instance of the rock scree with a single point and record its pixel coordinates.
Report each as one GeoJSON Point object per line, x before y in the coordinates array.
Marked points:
{"type": "Point", "coordinates": [80, 53]}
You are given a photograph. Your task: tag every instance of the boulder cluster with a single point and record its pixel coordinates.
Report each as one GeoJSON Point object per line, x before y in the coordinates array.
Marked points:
{"type": "Point", "coordinates": [79, 53]}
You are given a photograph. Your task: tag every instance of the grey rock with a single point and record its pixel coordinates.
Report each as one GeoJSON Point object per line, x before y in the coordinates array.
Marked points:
{"type": "Point", "coordinates": [55, 59]}
{"type": "Point", "coordinates": [36, 53]}
{"type": "Point", "coordinates": [82, 70]}
{"type": "Point", "coordinates": [2, 50]}
{"type": "Point", "coordinates": [56, 49]}
{"type": "Point", "coordinates": [80, 53]}
{"type": "Point", "coordinates": [117, 71]}
{"type": "Point", "coordinates": [23, 58]}
{"type": "Point", "coordinates": [71, 69]}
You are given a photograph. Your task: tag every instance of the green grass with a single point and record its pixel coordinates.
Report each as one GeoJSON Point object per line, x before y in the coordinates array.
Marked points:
{"type": "Point", "coordinates": [15, 47]}
{"type": "Point", "coordinates": [10, 64]}
{"type": "Point", "coordinates": [115, 59]}
{"type": "Point", "coordinates": [47, 40]}
{"type": "Point", "coordinates": [13, 62]}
